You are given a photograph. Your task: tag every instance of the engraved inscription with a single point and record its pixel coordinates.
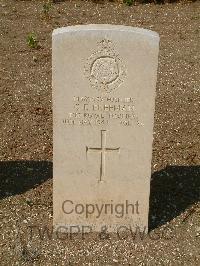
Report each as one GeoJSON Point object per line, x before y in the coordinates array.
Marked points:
{"type": "Point", "coordinates": [104, 68]}
{"type": "Point", "coordinates": [102, 150]}
{"type": "Point", "coordinates": [102, 111]}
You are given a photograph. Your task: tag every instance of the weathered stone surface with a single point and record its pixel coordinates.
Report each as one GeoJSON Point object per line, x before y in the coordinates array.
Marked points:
{"type": "Point", "coordinates": [104, 80]}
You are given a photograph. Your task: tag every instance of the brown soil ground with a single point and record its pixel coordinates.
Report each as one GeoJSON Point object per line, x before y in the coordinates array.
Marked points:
{"type": "Point", "coordinates": [26, 138]}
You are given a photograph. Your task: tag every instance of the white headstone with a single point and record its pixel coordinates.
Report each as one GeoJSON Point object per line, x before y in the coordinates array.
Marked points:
{"type": "Point", "coordinates": [104, 80]}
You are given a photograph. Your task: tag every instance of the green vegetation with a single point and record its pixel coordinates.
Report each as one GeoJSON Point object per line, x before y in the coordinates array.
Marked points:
{"type": "Point", "coordinates": [32, 40]}
{"type": "Point", "coordinates": [195, 17]}
{"type": "Point", "coordinates": [128, 2]}
{"type": "Point", "coordinates": [46, 8]}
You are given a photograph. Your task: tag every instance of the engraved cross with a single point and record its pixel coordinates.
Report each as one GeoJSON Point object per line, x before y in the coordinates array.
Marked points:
{"type": "Point", "coordinates": [102, 150]}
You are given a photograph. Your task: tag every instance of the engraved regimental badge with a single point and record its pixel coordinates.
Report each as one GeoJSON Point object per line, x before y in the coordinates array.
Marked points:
{"type": "Point", "coordinates": [104, 68]}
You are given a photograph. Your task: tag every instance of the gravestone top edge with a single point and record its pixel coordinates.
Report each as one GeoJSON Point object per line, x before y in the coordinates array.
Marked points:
{"type": "Point", "coordinates": [105, 27]}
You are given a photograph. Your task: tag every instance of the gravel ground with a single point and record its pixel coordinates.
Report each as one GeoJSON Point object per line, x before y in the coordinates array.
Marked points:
{"type": "Point", "coordinates": [26, 139]}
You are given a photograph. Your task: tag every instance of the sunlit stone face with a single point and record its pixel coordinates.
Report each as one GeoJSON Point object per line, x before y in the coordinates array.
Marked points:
{"type": "Point", "coordinates": [104, 81]}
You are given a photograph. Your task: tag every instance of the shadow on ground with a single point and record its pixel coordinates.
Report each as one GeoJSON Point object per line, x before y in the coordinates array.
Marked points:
{"type": "Point", "coordinates": [173, 189]}
{"type": "Point", "coordinates": [16, 177]}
